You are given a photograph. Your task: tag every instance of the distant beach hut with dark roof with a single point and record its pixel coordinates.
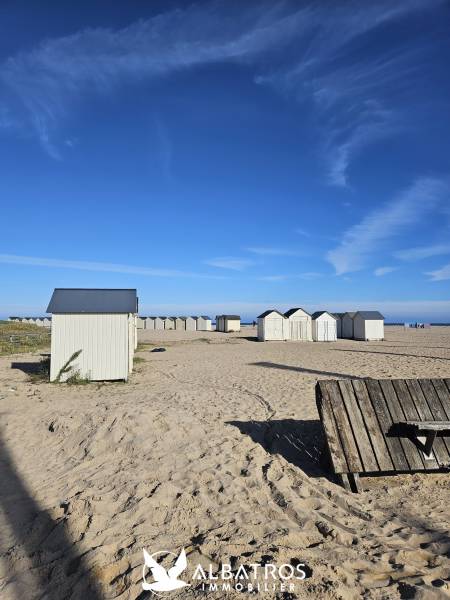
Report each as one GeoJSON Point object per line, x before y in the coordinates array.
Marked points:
{"type": "Point", "coordinates": [169, 322]}
{"type": "Point", "coordinates": [339, 324]}
{"type": "Point", "coordinates": [180, 323]}
{"type": "Point", "coordinates": [272, 326]}
{"type": "Point", "coordinates": [299, 324]}
{"type": "Point", "coordinates": [347, 325]}
{"type": "Point", "coordinates": [150, 322]}
{"type": "Point", "coordinates": [191, 323]}
{"type": "Point", "coordinates": [204, 323]}
{"type": "Point", "coordinates": [323, 326]}
{"type": "Point", "coordinates": [228, 323]}
{"type": "Point", "coordinates": [368, 325]}
{"type": "Point", "coordinates": [140, 323]}
{"type": "Point", "coordinates": [160, 323]}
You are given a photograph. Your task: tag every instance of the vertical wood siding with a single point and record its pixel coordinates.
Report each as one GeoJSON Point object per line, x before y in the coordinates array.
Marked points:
{"type": "Point", "coordinates": [104, 340]}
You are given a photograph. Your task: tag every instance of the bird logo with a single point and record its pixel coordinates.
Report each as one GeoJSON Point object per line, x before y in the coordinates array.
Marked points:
{"type": "Point", "coordinates": [164, 581]}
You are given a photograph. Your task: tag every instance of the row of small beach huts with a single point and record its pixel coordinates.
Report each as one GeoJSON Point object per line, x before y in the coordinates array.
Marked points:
{"type": "Point", "coordinates": [321, 326]}
{"type": "Point", "coordinates": [202, 323]}
{"type": "Point", "coordinates": [40, 321]}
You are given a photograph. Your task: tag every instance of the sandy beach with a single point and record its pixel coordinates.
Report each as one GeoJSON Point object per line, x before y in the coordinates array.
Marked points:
{"type": "Point", "coordinates": [213, 445]}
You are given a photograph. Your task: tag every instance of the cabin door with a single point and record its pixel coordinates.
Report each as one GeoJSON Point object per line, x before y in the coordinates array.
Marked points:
{"type": "Point", "coordinates": [298, 330]}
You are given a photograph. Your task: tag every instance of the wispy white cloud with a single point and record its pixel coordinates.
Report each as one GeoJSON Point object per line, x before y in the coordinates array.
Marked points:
{"type": "Point", "coordinates": [42, 85]}
{"type": "Point", "coordinates": [270, 251]}
{"type": "Point", "coordinates": [310, 275]}
{"type": "Point", "coordinates": [82, 265]}
{"type": "Point", "coordinates": [422, 252]}
{"type": "Point", "coordinates": [384, 271]}
{"type": "Point", "coordinates": [307, 276]}
{"type": "Point", "coordinates": [273, 278]}
{"type": "Point", "coordinates": [229, 262]}
{"type": "Point", "coordinates": [354, 94]}
{"type": "Point", "coordinates": [441, 274]}
{"type": "Point", "coordinates": [302, 232]}
{"type": "Point", "coordinates": [366, 238]}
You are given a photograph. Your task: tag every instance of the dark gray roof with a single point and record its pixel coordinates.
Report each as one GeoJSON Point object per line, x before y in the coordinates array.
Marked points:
{"type": "Point", "coordinates": [291, 311]}
{"type": "Point", "coordinates": [268, 312]}
{"type": "Point", "coordinates": [350, 314]}
{"type": "Point", "coordinates": [205, 317]}
{"type": "Point", "coordinates": [89, 300]}
{"type": "Point", "coordinates": [370, 315]}
{"type": "Point", "coordinates": [231, 317]}
{"type": "Point", "coordinates": [338, 315]}
{"type": "Point", "coordinates": [319, 313]}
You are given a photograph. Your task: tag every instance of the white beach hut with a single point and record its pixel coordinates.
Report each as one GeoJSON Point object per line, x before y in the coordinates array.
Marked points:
{"type": "Point", "coordinates": [191, 323]}
{"type": "Point", "coordinates": [339, 324]}
{"type": "Point", "coordinates": [47, 321]}
{"type": "Point", "coordinates": [228, 323]}
{"type": "Point", "coordinates": [272, 326]}
{"type": "Point", "coordinates": [299, 324]}
{"type": "Point", "coordinates": [180, 323]}
{"type": "Point", "coordinates": [204, 323]}
{"type": "Point", "coordinates": [160, 322]}
{"type": "Point", "coordinates": [101, 323]}
{"type": "Point", "coordinates": [140, 322]}
{"type": "Point", "coordinates": [368, 325]}
{"type": "Point", "coordinates": [323, 326]}
{"type": "Point", "coordinates": [169, 322]}
{"type": "Point", "coordinates": [39, 321]}
{"type": "Point", "coordinates": [150, 322]}
{"type": "Point", "coordinates": [347, 325]}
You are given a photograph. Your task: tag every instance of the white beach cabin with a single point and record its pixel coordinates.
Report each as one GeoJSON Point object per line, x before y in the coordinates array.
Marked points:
{"type": "Point", "coordinates": [99, 322]}
{"type": "Point", "coordinates": [47, 321]}
{"type": "Point", "coordinates": [339, 324]}
{"type": "Point", "coordinates": [299, 324]}
{"type": "Point", "coordinates": [39, 322]}
{"type": "Point", "coordinates": [180, 323]}
{"type": "Point", "coordinates": [323, 326]}
{"type": "Point", "coordinates": [347, 325]}
{"type": "Point", "coordinates": [272, 326]}
{"type": "Point", "coordinates": [219, 322]}
{"type": "Point", "coordinates": [191, 323]}
{"type": "Point", "coordinates": [150, 322]}
{"type": "Point", "coordinates": [160, 322]}
{"type": "Point", "coordinates": [368, 325]}
{"type": "Point", "coordinates": [169, 322]}
{"type": "Point", "coordinates": [232, 323]}
{"type": "Point", "coordinates": [140, 323]}
{"type": "Point", "coordinates": [204, 323]}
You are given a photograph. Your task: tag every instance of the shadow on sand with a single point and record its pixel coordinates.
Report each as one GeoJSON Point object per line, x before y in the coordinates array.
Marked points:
{"type": "Point", "coordinates": [391, 353]}
{"type": "Point", "coordinates": [270, 365]}
{"type": "Point", "coordinates": [30, 368]}
{"type": "Point", "coordinates": [299, 442]}
{"type": "Point", "coordinates": [55, 569]}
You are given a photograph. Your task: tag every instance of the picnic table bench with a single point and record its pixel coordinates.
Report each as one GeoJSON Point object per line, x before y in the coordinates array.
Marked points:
{"type": "Point", "coordinates": [380, 426]}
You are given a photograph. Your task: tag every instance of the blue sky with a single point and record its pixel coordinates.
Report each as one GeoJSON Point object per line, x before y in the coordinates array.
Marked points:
{"type": "Point", "coordinates": [227, 157]}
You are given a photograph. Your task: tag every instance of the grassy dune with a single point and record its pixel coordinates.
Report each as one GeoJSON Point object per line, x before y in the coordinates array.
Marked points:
{"type": "Point", "coordinates": [22, 337]}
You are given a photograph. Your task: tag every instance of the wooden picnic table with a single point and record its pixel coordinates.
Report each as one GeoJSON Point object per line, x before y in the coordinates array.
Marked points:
{"type": "Point", "coordinates": [375, 426]}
